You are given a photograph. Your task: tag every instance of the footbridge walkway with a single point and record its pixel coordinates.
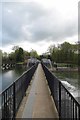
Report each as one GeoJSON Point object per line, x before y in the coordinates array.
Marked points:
{"type": "Point", "coordinates": [39, 103]}
{"type": "Point", "coordinates": [38, 94]}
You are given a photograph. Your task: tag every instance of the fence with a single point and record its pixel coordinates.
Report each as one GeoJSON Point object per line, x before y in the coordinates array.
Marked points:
{"type": "Point", "coordinates": [67, 106]}
{"type": "Point", "coordinates": [13, 95]}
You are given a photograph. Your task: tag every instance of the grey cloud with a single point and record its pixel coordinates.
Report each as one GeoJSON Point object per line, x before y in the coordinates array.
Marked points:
{"type": "Point", "coordinates": [53, 28]}
{"type": "Point", "coordinates": [0, 25]}
{"type": "Point", "coordinates": [31, 22]}
{"type": "Point", "coordinates": [79, 20]}
{"type": "Point", "coordinates": [22, 15]}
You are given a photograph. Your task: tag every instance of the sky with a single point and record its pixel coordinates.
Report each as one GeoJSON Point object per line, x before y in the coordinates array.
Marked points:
{"type": "Point", "coordinates": [37, 24]}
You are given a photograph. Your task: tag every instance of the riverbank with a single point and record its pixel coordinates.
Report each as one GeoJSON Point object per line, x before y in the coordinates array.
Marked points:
{"type": "Point", "coordinates": [10, 66]}
{"type": "Point", "coordinates": [62, 69]}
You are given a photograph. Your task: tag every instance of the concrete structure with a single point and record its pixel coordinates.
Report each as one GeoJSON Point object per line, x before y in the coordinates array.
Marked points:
{"type": "Point", "coordinates": [47, 63]}
{"type": "Point", "coordinates": [31, 62]}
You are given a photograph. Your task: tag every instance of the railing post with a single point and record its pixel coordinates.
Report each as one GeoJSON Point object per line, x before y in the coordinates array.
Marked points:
{"type": "Point", "coordinates": [14, 107]}
{"type": "Point", "coordinates": [59, 100]}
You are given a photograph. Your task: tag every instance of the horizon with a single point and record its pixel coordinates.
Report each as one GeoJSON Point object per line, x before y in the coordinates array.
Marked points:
{"type": "Point", "coordinates": [8, 52]}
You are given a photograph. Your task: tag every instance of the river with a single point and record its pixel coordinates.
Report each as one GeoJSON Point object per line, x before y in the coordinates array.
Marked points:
{"type": "Point", "coordinates": [9, 76]}
{"type": "Point", "coordinates": [71, 80]}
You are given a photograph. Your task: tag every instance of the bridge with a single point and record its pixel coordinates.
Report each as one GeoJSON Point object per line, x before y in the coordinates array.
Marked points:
{"type": "Point", "coordinates": [38, 94]}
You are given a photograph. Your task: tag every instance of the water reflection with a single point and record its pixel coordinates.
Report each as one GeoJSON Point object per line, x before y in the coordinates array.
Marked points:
{"type": "Point", "coordinates": [9, 76]}
{"type": "Point", "coordinates": [71, 77]}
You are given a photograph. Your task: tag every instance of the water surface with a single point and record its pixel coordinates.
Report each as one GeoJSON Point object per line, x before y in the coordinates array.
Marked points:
{"type": "Point", "coordinates": [71, 80]}
{"type": "Point", "coordinates": [9, 76]}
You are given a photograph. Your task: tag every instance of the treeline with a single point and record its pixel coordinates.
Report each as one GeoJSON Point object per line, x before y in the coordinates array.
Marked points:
{"type": "Point", "coordinates": [64, 53]}
{"type": "Point", "coordinates": [17, 56]}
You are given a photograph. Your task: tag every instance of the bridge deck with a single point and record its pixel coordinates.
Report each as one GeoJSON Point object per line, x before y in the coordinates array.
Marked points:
{"type": "Point", "coordinates": [39, 103]}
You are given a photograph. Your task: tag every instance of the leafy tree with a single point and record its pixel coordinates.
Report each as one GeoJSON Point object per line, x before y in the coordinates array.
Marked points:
{"type": "Point", "coordinates": [0, 57]}
{"type": "Point", "coordinates": [26, 54]}
{"type": "Point", "coordinates": [15, 47]}
{"type": "Point", "coordinates": [64, 53]}
{"type": "Point", "coordinates": [12, 57]}
{"type": "Point", "coordinates": [19, 55]}
{"type": "Point", "coordinates": [67, 52]}
{"type": "Point", "coordinates": [33, 53]}
{"type": "Point", "coordinates": [5, 58]}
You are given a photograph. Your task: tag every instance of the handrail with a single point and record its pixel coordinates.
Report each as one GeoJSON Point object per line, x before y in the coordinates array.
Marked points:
{"type": "Point", "coordinates": [67, 106]}
{"type": "Point", "coordinates": [70, 94]}
{"type": "Point", "coordinates": [12, 96]}
{"type": "Point", "coordinates": [16, 80]}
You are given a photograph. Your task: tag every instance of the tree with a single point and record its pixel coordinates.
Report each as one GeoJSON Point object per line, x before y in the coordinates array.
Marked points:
{"type": "Point", "coordinates": [26, 54]}
{"type": "Point", "coordinates": [5, 58]}
{"type": "Point", "coordinates": [12, 57]}
{"type": "Point", "coordinates": [53, 51]}
{"type": "Point", "coordinates": [19, 55]}
{"type": "Point", "coordinates": [0, 57]}
{"type": "Point", "coordinates": [64, 53]}
{"type": "Point", "coordinates": [67, 52]}
{"type": "Point", "coordinates": [33, 53]}
{"type": "Point", "coordinates": [15, 47]}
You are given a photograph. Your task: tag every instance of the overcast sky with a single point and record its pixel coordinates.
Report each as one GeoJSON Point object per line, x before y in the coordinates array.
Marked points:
{"type": "Point", "coordinates": [37, 24]}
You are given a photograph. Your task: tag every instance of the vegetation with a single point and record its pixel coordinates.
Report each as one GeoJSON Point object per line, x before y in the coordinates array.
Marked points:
{"type": "Point", "coordinates": [18, 56]}
{"type": "Point", "coordinates": [63, 53]}
{"type": "Point", "coordinates": [33, 53]}
{"type": "Point", "coordinates": [0, 57]}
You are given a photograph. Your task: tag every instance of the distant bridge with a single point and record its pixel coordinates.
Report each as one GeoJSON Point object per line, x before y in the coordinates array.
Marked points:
{"type": "Point", "coordinates": [47, 97]}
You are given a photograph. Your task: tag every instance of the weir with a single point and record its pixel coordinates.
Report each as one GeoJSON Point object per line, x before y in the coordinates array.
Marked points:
{"type": "Point", "coordinates": [48, 98]}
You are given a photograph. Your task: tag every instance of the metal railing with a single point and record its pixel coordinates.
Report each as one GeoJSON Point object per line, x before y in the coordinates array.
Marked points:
{"type": "Point", "coordinates": [12, 96]}
{"type": "Point", "coordinates": [67, 106]}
